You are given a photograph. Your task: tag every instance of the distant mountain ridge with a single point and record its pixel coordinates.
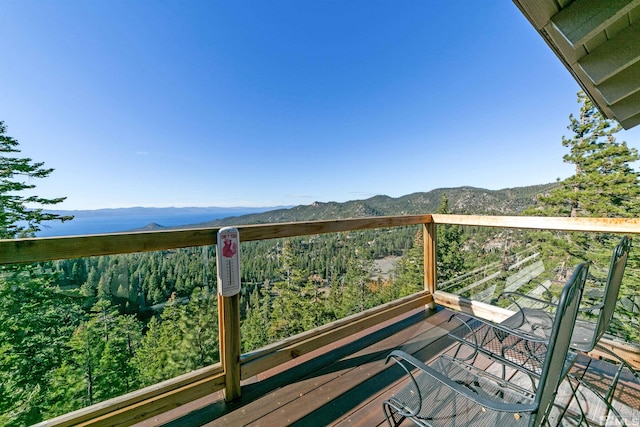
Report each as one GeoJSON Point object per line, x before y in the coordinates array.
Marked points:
{"type": "Point", "coordinates": [161, 211]}
{"type": "Point", "coordinates": [118, 220]}
{"type": "Point", "coordinates": [462, 200]}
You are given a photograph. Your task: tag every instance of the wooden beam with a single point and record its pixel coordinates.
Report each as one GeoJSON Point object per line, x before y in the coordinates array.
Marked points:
{"type": "Point", "coordinates": [476, 308]}
{"type": "Point", "coordinates": [429, 233]}
{"type": "Point", "coordinates": [627, 107]}
{"type": "Point", "coordinates": [537, 12]}
{"type": "Point", "coordinates": [626, 351]}
{"type": "Point", "coordinates": [247, 357]}
{"type": "Point", "coordinates": [623, 84]}
{"type": "Point", "coordinates": [158, 405]}
{"type": "Point", "coordinates": [631, 121]}
{"type": "Point", "coordinates": [307, 228]}
{"type": "Point", "coordinates": [229, 327]}
{"type": "Point", "coordinates": [53, 248]}
{"type": "Point", "coordinates": [601, 225]}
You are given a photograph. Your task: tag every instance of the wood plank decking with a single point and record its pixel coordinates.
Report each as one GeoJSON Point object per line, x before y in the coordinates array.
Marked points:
{"type": "Point", "coordinates": [344, 384]}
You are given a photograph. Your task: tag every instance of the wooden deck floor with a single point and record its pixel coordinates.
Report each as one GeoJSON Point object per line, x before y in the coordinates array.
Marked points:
{"type": "Point", "coordinates": [345, 384]}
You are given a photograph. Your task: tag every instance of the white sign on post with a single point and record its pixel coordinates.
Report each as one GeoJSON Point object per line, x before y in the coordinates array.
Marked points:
{"type": "Point", "coordinates": [228, 260]}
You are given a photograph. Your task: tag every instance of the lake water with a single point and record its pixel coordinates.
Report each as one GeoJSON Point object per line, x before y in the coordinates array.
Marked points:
{"type": "Point", "coordinates": [97, 224]}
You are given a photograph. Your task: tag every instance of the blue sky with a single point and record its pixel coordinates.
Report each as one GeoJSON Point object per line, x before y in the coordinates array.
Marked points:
{"type": "Point", "coordinates": [264, 103]}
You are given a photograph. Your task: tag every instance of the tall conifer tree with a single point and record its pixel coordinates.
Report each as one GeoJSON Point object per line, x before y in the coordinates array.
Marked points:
{"type": "Point", "coordinates": [36, 317]}
{"type": "Point", "coordinates": [17, 219]}
{"type": "Point", "coordinates": [288, 305]}
{"type": "Point", "coordinates": [604, 184]}
{"type": "Point", "coordinates": [449, 246]}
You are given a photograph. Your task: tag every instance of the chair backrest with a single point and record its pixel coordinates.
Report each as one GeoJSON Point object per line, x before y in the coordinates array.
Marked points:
{"type": "Point", "coordinates": [612, 288]}
{"type": "Point", "coordinates": [559, 340]}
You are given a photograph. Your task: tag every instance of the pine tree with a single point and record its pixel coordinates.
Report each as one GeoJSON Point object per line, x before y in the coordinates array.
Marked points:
{"type": "Point", "coordinates": [450, 257]}
{"type": "Point", "coordinates": [410, 268]}
{"type": "Point", "coordinates": [67, 392]}
{"type": "Point", "coordinates": [288, 305]}
{"type": "Point", "coordinates": [199, 330]}
{"type": "Point", "coordinates": [17, 218]}
{"type": "Point", "coordinates": [604, 183]}
{"type": "Point", "coordinates": [316, 310]}
{"type": "Point", "coordinates": [37, 320]}
{"type": "Point", "coordinates": [449, 246]}
{"type": "Point", "coordinates": [152, 358]}
{"type": "Point", "coordinates": [254, 329]}
{"type": "Point", "coordinates": [185, 339]}
{"type": "Point", "coordinates": [36, 317]}
{"type": "Point", "coordinates": [98, 361]}
{"type": "Point", "coordinates": [356, 292]}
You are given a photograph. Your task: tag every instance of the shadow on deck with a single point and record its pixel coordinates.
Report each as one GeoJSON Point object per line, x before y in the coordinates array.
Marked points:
{"type": "Point", "coordinates": [346, 382]}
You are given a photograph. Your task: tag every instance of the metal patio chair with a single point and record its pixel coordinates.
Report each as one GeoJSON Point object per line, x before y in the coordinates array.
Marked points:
{"type": "Point", "coordinates": [450, 392]}
{"type": "Point", "coordinates": [536, 322]}
{"type": "Point", "coordinates": [521, 340]}
{"type": "Point", "coordinates": [586, 333]}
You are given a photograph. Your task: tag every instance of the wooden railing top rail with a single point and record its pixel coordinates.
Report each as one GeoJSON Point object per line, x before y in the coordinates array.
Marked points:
{"type": "Point", "coordinates": [54, 248]}
{"type": "Point", "coordinates": [602, 225]}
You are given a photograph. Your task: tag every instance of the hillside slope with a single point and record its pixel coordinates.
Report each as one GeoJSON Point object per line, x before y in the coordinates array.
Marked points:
{"type": "Point", "coordinates": [462, 200]}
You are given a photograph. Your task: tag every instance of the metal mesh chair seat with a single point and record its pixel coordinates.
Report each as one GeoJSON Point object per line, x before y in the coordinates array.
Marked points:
{"type": "Point", "coordinates": [523, 351]}
{"type": "Point", "coordinates": [532, 321]}
{"type": "Point", "coordinates": [539, 323]}
{"type": "Point", "coordinates": [519, 350]}
{"type": "Point", "coordinates": [444, 406]}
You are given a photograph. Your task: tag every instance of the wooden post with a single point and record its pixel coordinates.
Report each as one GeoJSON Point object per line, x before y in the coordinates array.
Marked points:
{"type": "Point", "coordinates": [229, 325]}
{"type": "Point", "coordinates": [430, 259]}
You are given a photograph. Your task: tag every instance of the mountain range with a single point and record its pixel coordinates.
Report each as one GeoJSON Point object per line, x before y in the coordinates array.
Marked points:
{"type": "Point", "coordinates": [461, 200]}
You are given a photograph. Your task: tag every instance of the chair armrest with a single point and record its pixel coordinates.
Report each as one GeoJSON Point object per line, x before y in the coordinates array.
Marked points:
{"type": "Point", "coordinates": [540, 284]}
{"type": "Point", "coordinates": [403, 358]}
{"type": "Point", "coordinates": [500, 329]}
{"type": "Point", "coordinates": [591, 308]}
{"type": "Point", "coordinates": [513, 295]}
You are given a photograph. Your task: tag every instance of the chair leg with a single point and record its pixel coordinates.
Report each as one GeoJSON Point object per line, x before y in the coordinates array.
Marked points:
{"type": "Point", "coordinates": [604, 399]}
{"type": "Point", "coordinates": [471, 357]}
{"type": "Point", "coordinates": [574, 395]}
{"type": "Point", "coordinates": [474, 344]}
{"type": "Point", "coordinates": [616, 378]}
{"type": "Point", "coordinates": [394, 419]}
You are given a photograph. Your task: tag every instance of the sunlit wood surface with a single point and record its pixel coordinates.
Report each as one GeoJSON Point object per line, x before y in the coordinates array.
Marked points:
{"type": "Point", "coordinates": [346, 382]}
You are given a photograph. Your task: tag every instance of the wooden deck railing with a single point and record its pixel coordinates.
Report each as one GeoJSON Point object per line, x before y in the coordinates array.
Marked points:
{"type": "Point", "coordinates": [136, 406]}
